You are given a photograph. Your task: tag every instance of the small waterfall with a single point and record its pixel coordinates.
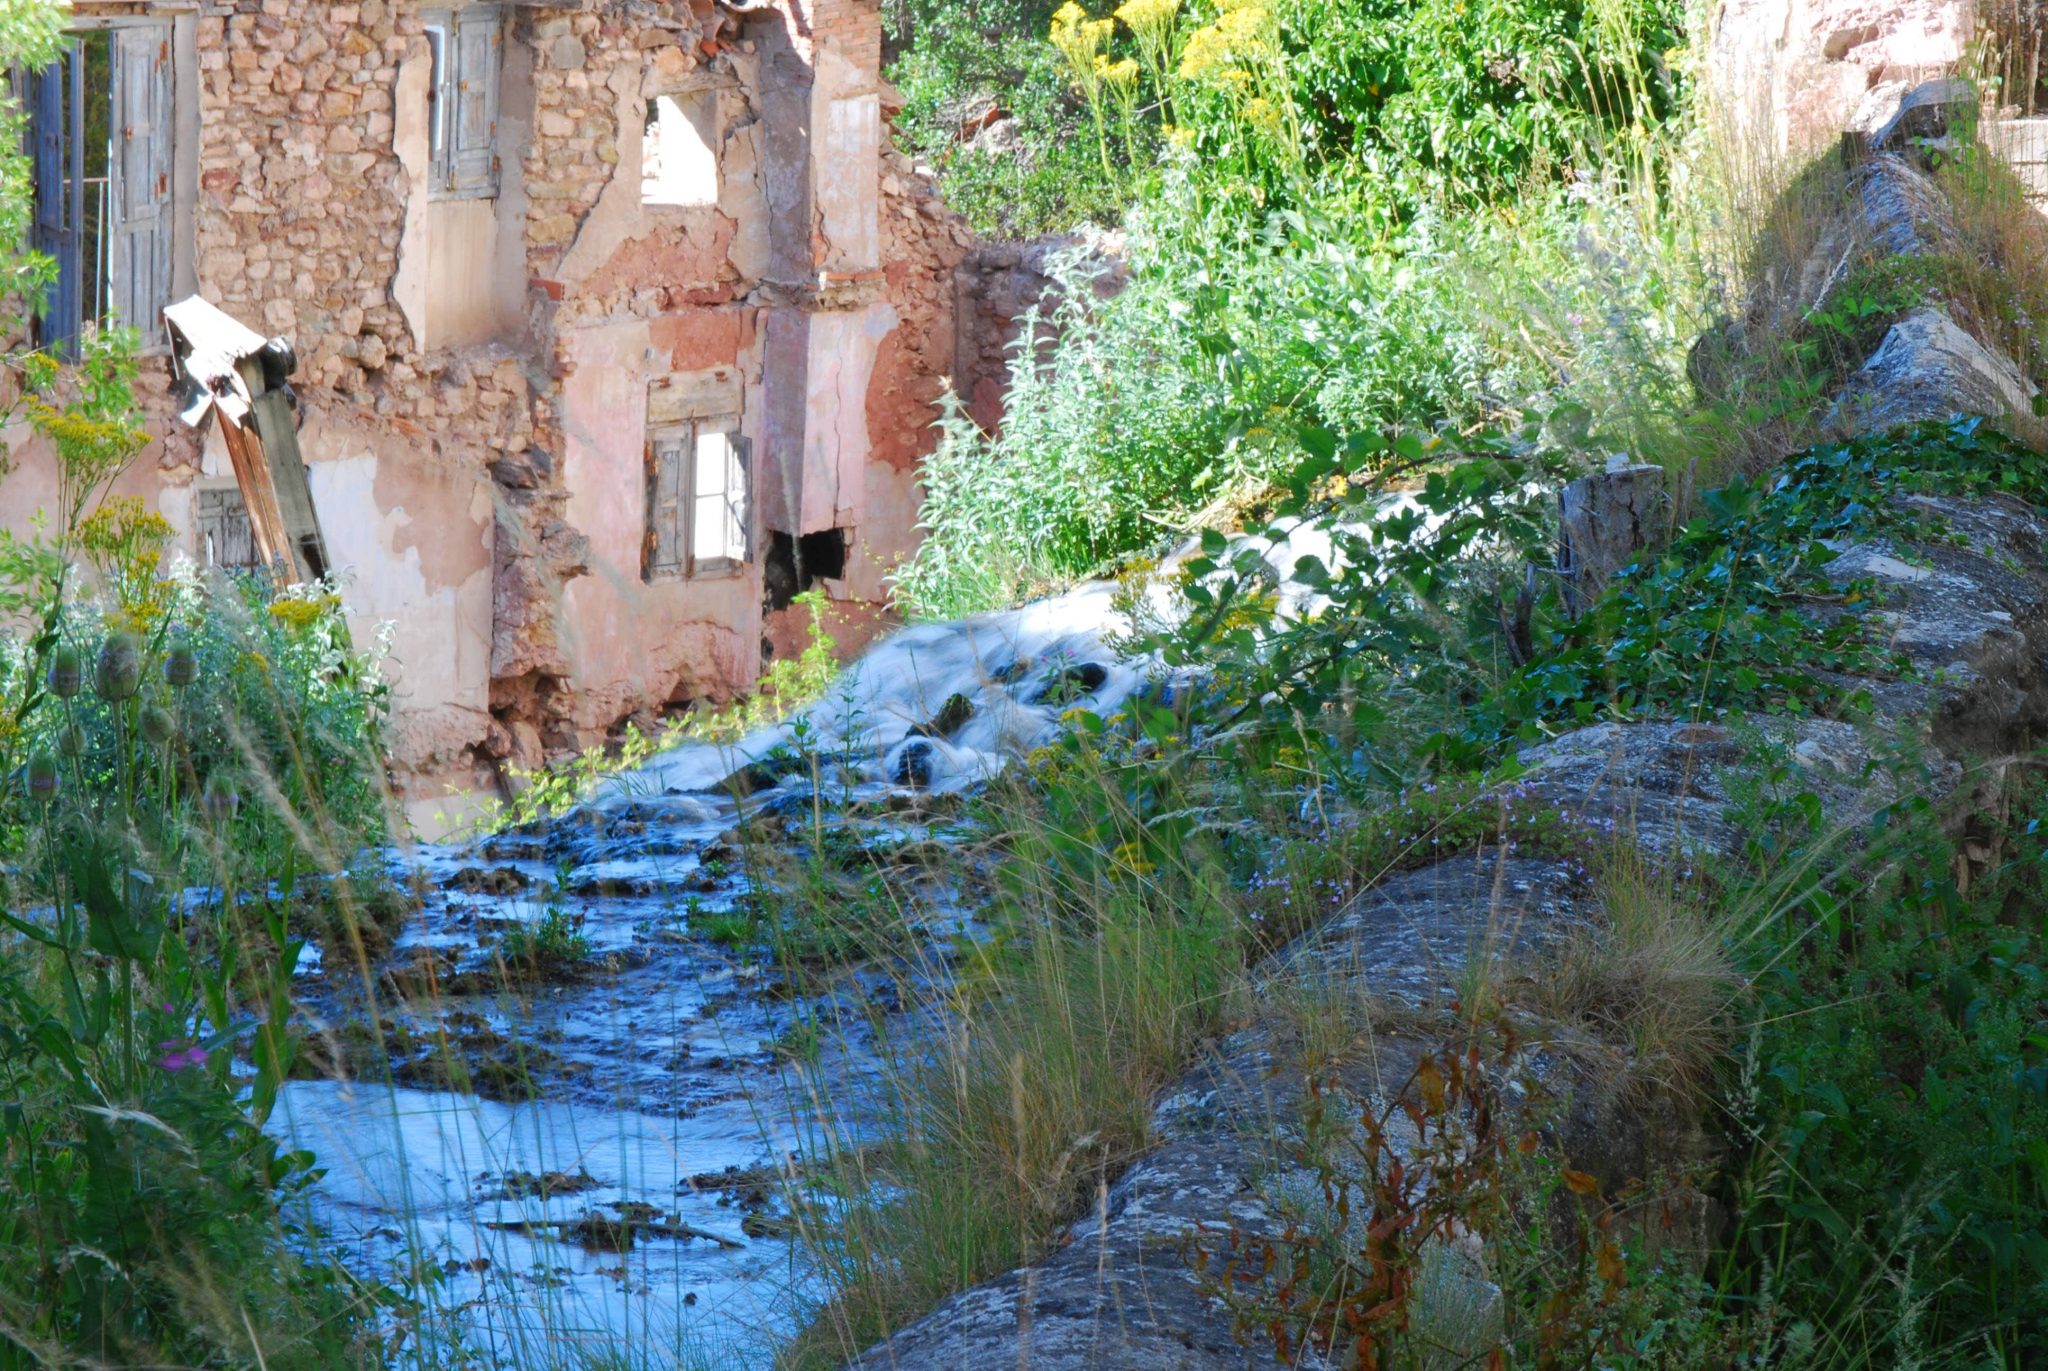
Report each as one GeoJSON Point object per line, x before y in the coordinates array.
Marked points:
{"type": "Point", "coordinates": [942, 706]}
{"type": "Point", "coordinates": [937, 705]}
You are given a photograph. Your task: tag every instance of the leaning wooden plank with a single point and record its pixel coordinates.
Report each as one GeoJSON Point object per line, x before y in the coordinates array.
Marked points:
{"type": "Point", "coordinates": [233, 371]}
{"type": "Point", "coordinates": [266, 524]}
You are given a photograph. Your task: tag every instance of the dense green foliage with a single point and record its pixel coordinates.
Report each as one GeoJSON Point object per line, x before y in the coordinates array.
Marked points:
{"type": "Point", "coordinates": [1365, 216]}
{"type": "Point", "coordinates": [1415, 654]}
{"type": "Point", "coordinates": [175, 755]}
{"type": "Point", "coordinates": [1891, 1110]}
{"type": "Point", "coordinates": [963, 61]}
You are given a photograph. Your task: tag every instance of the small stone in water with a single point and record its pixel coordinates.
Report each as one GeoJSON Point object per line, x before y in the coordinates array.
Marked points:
{"type": "Point", "coordinates": [957, 710]}
{"type": "Point", "coordinates": [914, 764]}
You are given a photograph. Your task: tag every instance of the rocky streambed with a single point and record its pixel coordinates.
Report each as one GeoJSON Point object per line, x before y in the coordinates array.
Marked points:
{"type": "Point", "coordinates": [561, 1100]}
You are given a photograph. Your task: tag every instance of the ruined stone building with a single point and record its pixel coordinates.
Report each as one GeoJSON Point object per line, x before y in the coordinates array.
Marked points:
{"type": "Point", "coordinates": [619, 323]}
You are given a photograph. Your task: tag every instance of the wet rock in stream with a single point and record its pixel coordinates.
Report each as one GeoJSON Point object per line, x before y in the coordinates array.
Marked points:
{"type": "Point", "coordinates": [914, 764]}
{"type": "Point", "coordinates": [1071, 684]}
{"type": "Point", "coordinates": [497, 880]}
{"type": "Point", "coordinates": [519, 1185]}
{"type": "Point", "coordinates": [951, 718]}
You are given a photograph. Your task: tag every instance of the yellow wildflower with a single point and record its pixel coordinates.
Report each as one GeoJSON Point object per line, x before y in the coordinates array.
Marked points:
{"type": "Point", "coordinates": [123, 525]}
{"type": "Point", "coordinates": [1132, 857]}
{"type": "Point", "coordinates": [297, 614]}
{"type": "Point", "coordinates": [1120, 75]}
{"type": "Point", "coordinates": [1246, 30]}
{"type": "Point", "coordinates": [1206, 51]}
{"type": "Point", "coordinates": [1149, 20]}
{"type": "Point", "coordinates": [1078, 36]}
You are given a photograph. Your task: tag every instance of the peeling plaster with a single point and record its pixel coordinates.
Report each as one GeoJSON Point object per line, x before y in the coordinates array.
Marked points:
{"type": "Point", "coordinates": [618, 215]}
{"type": "Point", "coordinates": [398, 540]}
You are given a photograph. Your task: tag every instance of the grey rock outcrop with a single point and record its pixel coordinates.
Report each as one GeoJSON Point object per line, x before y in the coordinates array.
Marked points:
{"type": "Point", "coordinates": [1123, 1288]}
{"type": "Point", "coordinates": [1928, 367]}
{"type": "Point", "coordinates": [1121, 1291]}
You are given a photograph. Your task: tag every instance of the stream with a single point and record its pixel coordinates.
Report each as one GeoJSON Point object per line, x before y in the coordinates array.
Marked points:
{"type": "Point", "coordinates": [594, 1163]}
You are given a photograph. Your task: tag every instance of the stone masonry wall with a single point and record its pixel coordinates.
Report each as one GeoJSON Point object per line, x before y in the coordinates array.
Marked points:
{"type": "Point", "coordinates": [478, 465]}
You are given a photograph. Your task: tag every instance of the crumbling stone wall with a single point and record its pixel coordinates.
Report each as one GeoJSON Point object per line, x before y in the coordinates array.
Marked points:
{"type": "Point", "coordinates": [1789, 74]}
{"type": "Point", "coordinates": [999, 285]}
{"type": "Point", "coordinates": [481, 467]}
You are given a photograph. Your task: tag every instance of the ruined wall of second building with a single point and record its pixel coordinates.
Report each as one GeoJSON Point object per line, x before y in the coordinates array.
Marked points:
{"type": "Point", "coordinates": [479, 377]}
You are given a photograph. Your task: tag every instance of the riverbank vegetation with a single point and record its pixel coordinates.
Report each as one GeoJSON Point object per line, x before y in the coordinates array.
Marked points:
{"type": "Point", "coordinates": [1463, 253]}
{"type": "Point", "coordinates": [1397, 269]}
{"type": "Point", "coordinates": [1832, 999]}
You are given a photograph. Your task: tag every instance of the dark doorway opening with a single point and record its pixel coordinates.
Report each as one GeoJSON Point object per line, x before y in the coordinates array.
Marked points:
{"type": "Point", "coordinates": [795, 564]}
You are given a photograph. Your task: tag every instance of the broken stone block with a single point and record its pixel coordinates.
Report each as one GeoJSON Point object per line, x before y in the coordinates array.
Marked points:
{"type": "Point", "coordinates": [1898, 116]}
{"type": "Point", "coordinates": [1608, 519]}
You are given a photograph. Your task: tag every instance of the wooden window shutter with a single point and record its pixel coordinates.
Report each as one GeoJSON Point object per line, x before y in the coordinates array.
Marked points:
{"type": "Point", "coordinates": [441, 95]}
{"type": "Point", "coordinates": [140, 237]}
{"type": "Point", "coordinates": [473, 117]}
{"type": "Point", "coordinates": [56, 103]}
{"type": "Point", "coordinates": [665, 504]}
{"type": "Point", "coordinates": [739, 498]}
{"type": "Point", "coordinates": [226, 539]}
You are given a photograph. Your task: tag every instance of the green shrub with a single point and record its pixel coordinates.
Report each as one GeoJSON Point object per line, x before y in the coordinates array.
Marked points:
{"type": "Point", "coordinates": [1892, 1177]}
{"type": "Point", "coordinates": [145, 948]}
{"type": "Point", "coordinates": [1175, 404]}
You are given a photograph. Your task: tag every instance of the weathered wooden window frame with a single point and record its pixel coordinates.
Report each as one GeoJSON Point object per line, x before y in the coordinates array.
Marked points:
{"type": "Point", "coordinates": [468, 45]}
{"type": "Point", "coordinates": [227, 498]}
{"type": "Point", "coordinates": [679, 509]}
{"type": "Point", "coordinates": [169, 115]}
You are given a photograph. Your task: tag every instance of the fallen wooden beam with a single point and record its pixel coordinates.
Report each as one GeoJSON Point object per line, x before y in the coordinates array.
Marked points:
{"type": "Point", "coordinates": [229, 371]}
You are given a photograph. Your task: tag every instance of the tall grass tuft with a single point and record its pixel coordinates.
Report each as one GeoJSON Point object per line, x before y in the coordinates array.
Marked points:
{"type": "Point", "coordinates": [1023, 1079]}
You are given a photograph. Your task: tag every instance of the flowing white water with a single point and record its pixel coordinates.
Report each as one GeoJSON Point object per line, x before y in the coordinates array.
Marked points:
{"type": "Point", "coordinates": [1018, 671]}
{"type": "Point", "coordinates": [410, 1186]}
{"type": "Point", "coordinates": [674, 1052]}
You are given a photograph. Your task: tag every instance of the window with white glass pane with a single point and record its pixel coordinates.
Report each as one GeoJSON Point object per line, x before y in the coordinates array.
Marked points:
{"type": "Point", "coordinates": [699, 501]}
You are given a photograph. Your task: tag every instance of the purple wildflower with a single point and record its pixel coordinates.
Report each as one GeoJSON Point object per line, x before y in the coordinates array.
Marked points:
{"type": "Point", "coordinates": [180, 1054]}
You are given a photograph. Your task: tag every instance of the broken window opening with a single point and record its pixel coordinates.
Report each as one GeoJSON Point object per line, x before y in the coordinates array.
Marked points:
{"type": "Point", "coordinates": [679, 156]}
{"type": "Point", "coordinates": [101, 130]}
{"type": "Point", "coordinates": [467, 49]}
{"type": "Point", "coordinates": [221, 526]}
{"type": "Point", "coordinates": [794, 565]}
{"type": "Point", "coordinates": [699, 501]}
